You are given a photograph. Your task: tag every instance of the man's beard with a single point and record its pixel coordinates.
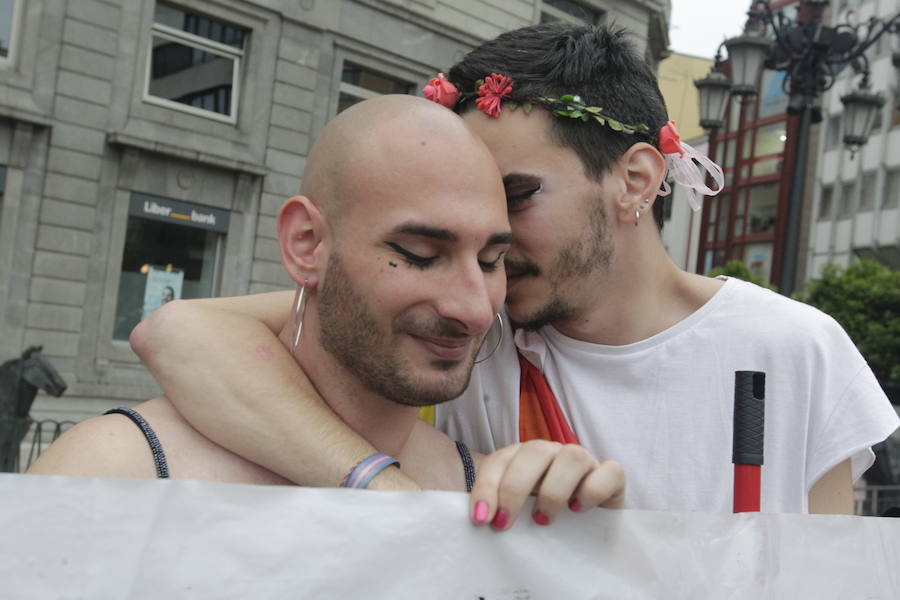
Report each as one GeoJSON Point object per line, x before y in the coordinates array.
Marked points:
{"type": "Point", "coordinates": [351, 334]}
{"type": "Point", "coordinates": [577, 259]}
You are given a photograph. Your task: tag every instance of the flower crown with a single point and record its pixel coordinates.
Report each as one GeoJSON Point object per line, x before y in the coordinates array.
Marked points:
{"type": "Point", "coordinates": [491, 91]}
{"type": "Point", "coordinates": [681, 159]}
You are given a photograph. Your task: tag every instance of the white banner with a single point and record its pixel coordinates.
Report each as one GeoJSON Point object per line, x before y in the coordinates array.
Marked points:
{"type": "Point", "coordinates": [113, 539]}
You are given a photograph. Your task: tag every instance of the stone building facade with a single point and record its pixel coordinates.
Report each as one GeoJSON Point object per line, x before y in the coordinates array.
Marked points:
{"type": "Point", "coordinates": [147, 145]}
{"type": "Point", "coordinates": [855, 210]}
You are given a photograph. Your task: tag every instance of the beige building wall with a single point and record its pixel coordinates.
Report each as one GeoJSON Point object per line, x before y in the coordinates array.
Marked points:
{"type": "Point", "coordinates": [677, 74]}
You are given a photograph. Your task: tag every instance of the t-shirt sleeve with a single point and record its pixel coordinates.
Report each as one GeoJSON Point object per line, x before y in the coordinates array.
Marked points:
{"type": "Point", "coordinates": [861, 417]}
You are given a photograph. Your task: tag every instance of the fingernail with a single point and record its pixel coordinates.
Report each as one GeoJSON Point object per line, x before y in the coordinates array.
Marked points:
{"type": "Point", "coordinates": [540, 518]}
{"type": "Point", "coordinates": [574, 505]}
{"type": "Point", "coordinates": [481, 511]}
{"type": "Point", "coordinates": [501, 520]}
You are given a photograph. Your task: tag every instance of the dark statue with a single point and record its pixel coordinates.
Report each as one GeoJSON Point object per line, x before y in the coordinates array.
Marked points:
{"type": "Point", "coordinates": [20, 380]}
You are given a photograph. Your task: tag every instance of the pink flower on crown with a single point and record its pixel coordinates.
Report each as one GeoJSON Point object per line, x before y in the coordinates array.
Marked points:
{"type": "Point", "coordinates": [492, 92]}
{"type": "Point", "coordinates": [441, 91]}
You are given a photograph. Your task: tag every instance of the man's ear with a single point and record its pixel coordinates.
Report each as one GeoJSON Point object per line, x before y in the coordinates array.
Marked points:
{"type": "Point", "coordinates": [301, 229]}
{"type": "Point", "coordinates": [642, 168]}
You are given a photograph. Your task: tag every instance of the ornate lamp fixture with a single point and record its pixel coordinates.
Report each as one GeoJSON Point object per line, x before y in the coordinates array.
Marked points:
{"type": "Point", "coordinates": [811, 55]}
{"type": "Point", "coordinates": [713, 89]}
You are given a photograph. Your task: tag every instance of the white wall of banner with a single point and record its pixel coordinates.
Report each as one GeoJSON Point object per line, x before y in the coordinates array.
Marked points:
{"type": "Point", "coordinates": [111, 539]}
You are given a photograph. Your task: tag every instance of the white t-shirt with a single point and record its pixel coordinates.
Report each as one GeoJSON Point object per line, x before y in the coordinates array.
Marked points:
{"type": "Point", "coordinates": [663, 407]}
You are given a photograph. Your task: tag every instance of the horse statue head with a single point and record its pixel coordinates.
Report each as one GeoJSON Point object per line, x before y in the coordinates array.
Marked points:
{"type": "Point", "coordinates": [21, 378]}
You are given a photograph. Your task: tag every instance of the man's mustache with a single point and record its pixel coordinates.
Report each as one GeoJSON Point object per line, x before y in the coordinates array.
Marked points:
{"type": "Point", "coordinates": [521, 268]}
{"type": "Point", "coordinates": [437, 328]}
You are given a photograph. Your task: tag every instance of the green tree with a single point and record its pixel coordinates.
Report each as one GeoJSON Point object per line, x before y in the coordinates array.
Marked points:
{"type": "Point", "coordinates": [738, 270]}
{"type": "Point", "coordinates": [865, 299]}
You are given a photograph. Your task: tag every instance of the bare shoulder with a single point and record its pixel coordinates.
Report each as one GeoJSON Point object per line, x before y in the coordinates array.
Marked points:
{"type": "Point", "coordinates": [106, 446]}
{"type": "Point", "coordinates": [432, 459]}
{"type": "Point", "coordinates": [114, 446]}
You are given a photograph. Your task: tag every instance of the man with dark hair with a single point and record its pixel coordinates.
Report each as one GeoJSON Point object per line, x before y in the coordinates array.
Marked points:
{"type": "Point", "coordinates": [617, 349]}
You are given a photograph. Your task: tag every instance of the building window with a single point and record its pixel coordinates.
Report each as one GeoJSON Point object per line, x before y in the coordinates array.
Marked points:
{"type": "Point", "coordinates": [8, 22]}
{"type": "Point", "coordinates": [194, 63]}
{"type": "Point", "coordinates": [359, 83]}
{"type": "Point", "coordinates": [867, 191]}
{"type": "Point", "coordinates": [172, 250]}
{"type": "Point", "coordinates": [847, 204]}
{"type": "Point", "coordinates": [569, 11]}
{"type": "Point", "coordinates": [833, 134]}
{"type": "Point", "coordinates": [763, 208]}
{"type": "Point", "coordinates": [770, 139]}
{"type": "Point", "coordinates": [2, 187]}
{"type": "Point", "coordinates": [825, 203]}
{"type": "Point", "coordinates": [891, 196]}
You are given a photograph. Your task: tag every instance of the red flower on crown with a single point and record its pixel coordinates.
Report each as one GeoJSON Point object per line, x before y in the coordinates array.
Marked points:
{"type": "Point", "coordinates": [441, 91]}
{"type": "Point", "coordinates": [669, 140]}
{"type": "Point", "coordinates": [492, 92]}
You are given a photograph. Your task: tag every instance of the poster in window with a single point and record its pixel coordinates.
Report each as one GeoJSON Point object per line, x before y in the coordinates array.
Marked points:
{"type": "Point", "coordinates": [162, 286]}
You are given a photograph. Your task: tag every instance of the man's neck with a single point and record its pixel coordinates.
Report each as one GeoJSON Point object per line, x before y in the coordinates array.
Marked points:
{"type": "Point", "coordinates": [382, 422]}
{"type": "Point", "coordinates": [641, 295]}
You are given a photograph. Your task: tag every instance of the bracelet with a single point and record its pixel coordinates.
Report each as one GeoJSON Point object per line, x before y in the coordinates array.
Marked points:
{"type": "Point", "coordinates": [361, 474]}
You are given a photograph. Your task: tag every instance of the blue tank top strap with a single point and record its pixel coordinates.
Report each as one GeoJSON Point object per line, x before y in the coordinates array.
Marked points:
{"type": "Point", "coordinates": [159, 457]}
{"type": "Point", "coordinates": [468, 464]}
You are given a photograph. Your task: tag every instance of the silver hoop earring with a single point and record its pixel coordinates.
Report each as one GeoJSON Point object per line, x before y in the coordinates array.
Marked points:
{"type": "Point", "coordinates": [298, 309]}
{"type": "Point", "coordinates": [497, 345]}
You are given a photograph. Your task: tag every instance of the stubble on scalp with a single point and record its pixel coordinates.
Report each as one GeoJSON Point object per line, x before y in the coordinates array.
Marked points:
{"type": "Point", "coordinates": [352, 335]}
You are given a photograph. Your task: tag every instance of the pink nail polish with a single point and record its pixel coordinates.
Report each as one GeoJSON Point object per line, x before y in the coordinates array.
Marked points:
{"type": "Point", "coordinates": [481, 511]}
{"type": "Point", "coordinates": [574, 505]}
{"type": "Point", "coordinates": [540, 518]}
{"type": "Point", "coordinates": [501, 520]}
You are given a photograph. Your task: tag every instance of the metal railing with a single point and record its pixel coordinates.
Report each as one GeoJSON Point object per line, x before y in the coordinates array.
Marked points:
{"type": "Point", "coordinates": [23, 440]}
{"type": "Point", "coordinates": [874, 500]}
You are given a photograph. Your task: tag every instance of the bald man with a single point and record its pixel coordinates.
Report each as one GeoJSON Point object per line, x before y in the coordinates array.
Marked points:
{"type": "Point", "coordinates": [396, 243]}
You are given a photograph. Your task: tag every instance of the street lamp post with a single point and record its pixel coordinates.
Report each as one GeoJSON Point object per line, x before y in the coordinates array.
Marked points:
{"type": "Point", "coordinates": [812, 55]}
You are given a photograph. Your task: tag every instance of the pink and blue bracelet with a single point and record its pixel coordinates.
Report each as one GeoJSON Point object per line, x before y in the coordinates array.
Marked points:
{"type": "Point", "coordinates": [360, 475]}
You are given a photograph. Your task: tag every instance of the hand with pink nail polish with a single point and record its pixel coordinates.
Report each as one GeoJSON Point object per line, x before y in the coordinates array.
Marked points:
{"type": "Point", "coordinates": [557, 474]}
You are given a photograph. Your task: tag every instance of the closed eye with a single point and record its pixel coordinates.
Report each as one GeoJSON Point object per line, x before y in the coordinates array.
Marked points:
{"type": "Point", "coordinates": [490, 267]}
{"type": "Point", "coordinates": [516, 196]}
{"type": "Point", "coordinates": [410, 258]}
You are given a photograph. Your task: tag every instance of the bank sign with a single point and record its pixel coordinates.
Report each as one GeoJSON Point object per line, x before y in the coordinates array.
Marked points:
{"type": "Point", "coordinates": [179, 213]}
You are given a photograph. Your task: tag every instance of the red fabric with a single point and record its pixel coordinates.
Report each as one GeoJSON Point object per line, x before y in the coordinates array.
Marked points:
{"type": "Point", "coordinates": [540, 417]}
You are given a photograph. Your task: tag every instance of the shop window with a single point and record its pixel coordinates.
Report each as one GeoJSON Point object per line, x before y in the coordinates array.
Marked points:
{"type": "Point", "coordinates": [758, 258]}
{"type": "Point", "coordinates": [569, 11]}
{"type": "Point", "coordinates": [172, 250]}
{"type": "Point", "coordinates": [8, 26]}
{"type": "Point", "coordinates": [770, 139]}
{"type": "Point", "coordinates": [867, 191]}
{"type": "Point", "coordinates": [359, 83]}
{"type": "Point", "coordinates": [847, 201]}
{"type": "Point", "coordinates": [195, 63]}
{"type": "Point", "coordinates": [891, 196]}
{"type": "Point", "coordinates": [772, 99]}
{"type": "Point", "coordinates": [763, 208]}
{"type": "Point", "coordinates": [825, 202]}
